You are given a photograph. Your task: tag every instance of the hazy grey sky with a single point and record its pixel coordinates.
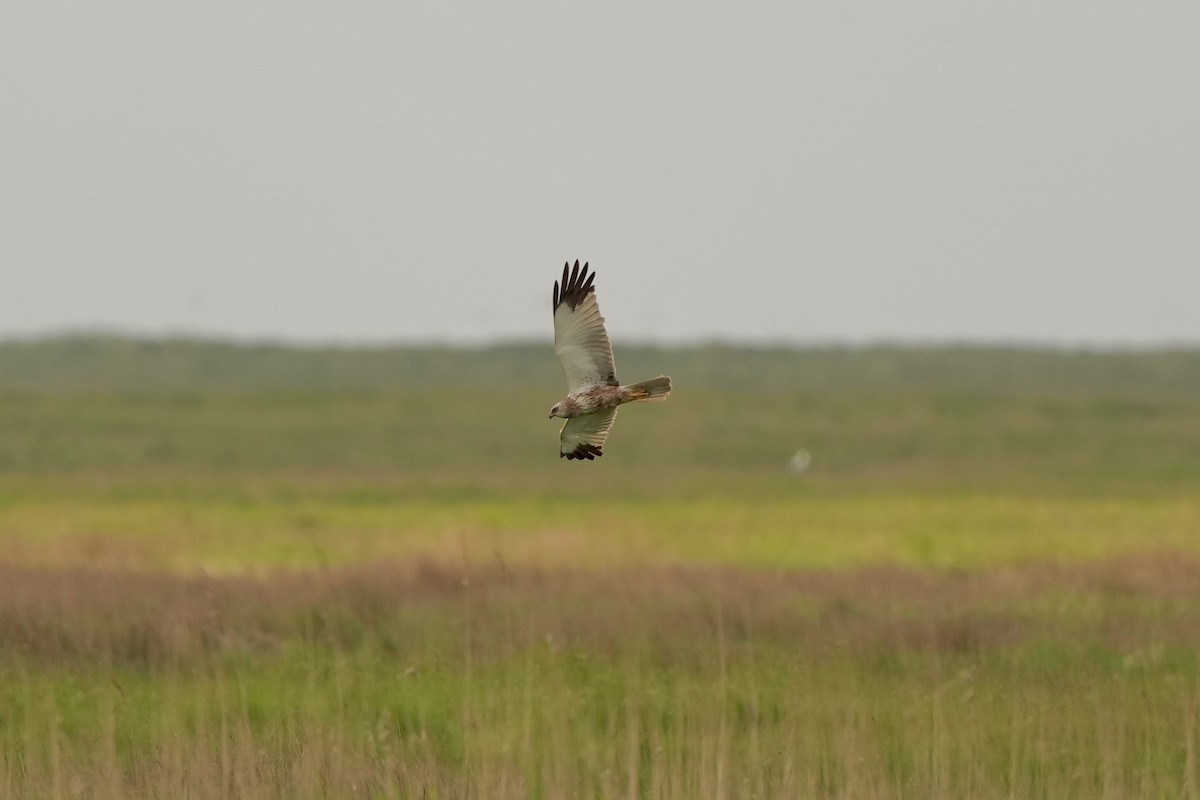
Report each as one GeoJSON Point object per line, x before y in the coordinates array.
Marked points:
{"type": "Point", "coordinates": [799, 171]}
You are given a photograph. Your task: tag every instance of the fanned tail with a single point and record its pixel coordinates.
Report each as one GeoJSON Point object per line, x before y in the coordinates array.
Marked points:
{"type": "Point", "coordinates": [653, 389]}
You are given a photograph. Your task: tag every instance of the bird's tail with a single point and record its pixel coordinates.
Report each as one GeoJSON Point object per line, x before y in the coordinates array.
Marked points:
{"type": "Point", "coordinates": [653, 389]}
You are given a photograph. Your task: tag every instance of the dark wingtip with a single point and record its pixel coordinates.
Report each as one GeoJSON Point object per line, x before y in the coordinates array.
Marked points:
{"type": "Point", "coordinates": [576, 284]}
{"type": "Point", "coordinates": [583, 452]}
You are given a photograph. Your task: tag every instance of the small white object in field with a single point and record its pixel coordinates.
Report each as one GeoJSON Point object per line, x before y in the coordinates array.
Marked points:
{"type": "Point", "coordinates": [800, 462]}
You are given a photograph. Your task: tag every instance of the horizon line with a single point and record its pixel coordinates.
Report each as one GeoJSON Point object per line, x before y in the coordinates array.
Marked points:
{"type": "Point", "coordinates": [814, 343]}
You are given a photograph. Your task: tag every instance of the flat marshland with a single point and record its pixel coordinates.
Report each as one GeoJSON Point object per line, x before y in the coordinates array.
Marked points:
{"type": "Point", "coordinates": [381, 592]}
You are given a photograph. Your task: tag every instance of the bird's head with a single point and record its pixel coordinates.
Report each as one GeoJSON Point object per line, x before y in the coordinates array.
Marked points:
{"type": "Point", "coordinates": [556, 411]}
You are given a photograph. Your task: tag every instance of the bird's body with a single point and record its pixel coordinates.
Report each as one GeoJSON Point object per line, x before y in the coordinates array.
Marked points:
{"type": "Point", "coordinates": [585, 353]}
{"type": "Point", "coordinates": [591, 399]}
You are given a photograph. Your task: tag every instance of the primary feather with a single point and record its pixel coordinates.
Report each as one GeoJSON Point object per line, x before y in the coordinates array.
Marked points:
{"type": "Point", "coordinates": [583, 437]}
{"type": "Point", "coordinates": [580, 340]}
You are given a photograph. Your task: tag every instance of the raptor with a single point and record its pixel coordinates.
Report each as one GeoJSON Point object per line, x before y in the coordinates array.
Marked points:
{"type": "Point", "coordinates": [585, 353]}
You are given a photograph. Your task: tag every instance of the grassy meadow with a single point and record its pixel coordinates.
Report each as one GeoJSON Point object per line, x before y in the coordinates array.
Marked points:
{"type": "Point", "coordinates": [399, 591]}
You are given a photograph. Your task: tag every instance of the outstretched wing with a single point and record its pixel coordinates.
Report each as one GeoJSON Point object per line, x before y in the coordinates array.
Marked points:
{"type": "Point", "coordinates": [583, 437]}
{"type": "Point", "coordinates": [580, 341]}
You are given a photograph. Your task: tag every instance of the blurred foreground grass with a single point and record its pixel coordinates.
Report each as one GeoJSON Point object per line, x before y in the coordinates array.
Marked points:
{"type": "Point", "coordinates": [407, 594]}
{"type": "Point", "coordinates": [416, 681]}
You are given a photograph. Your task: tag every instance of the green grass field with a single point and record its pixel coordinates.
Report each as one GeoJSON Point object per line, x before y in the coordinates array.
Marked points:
{"type": "Point", "coordinates": [405, 593]}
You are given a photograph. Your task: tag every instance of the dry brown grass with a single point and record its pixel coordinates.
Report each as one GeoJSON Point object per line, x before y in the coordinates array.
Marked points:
{"type": "Point", "coordinates": [144, 619]}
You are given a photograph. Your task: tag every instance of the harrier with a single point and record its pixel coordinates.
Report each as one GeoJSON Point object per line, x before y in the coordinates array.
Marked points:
{"type": "Point", "coordinates": [583, 349]}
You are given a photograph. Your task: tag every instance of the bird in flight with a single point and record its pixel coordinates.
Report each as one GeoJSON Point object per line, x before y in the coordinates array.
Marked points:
{"type": "Point", "coordinates": [583, 349]}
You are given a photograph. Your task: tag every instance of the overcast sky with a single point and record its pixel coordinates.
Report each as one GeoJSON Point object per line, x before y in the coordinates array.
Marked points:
{"type": "Point", "coordinates": [1020, 171]}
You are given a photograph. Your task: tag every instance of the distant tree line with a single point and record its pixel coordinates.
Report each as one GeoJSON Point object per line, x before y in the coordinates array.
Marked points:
{"type": "Point", "coordinates": [120, 363]}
